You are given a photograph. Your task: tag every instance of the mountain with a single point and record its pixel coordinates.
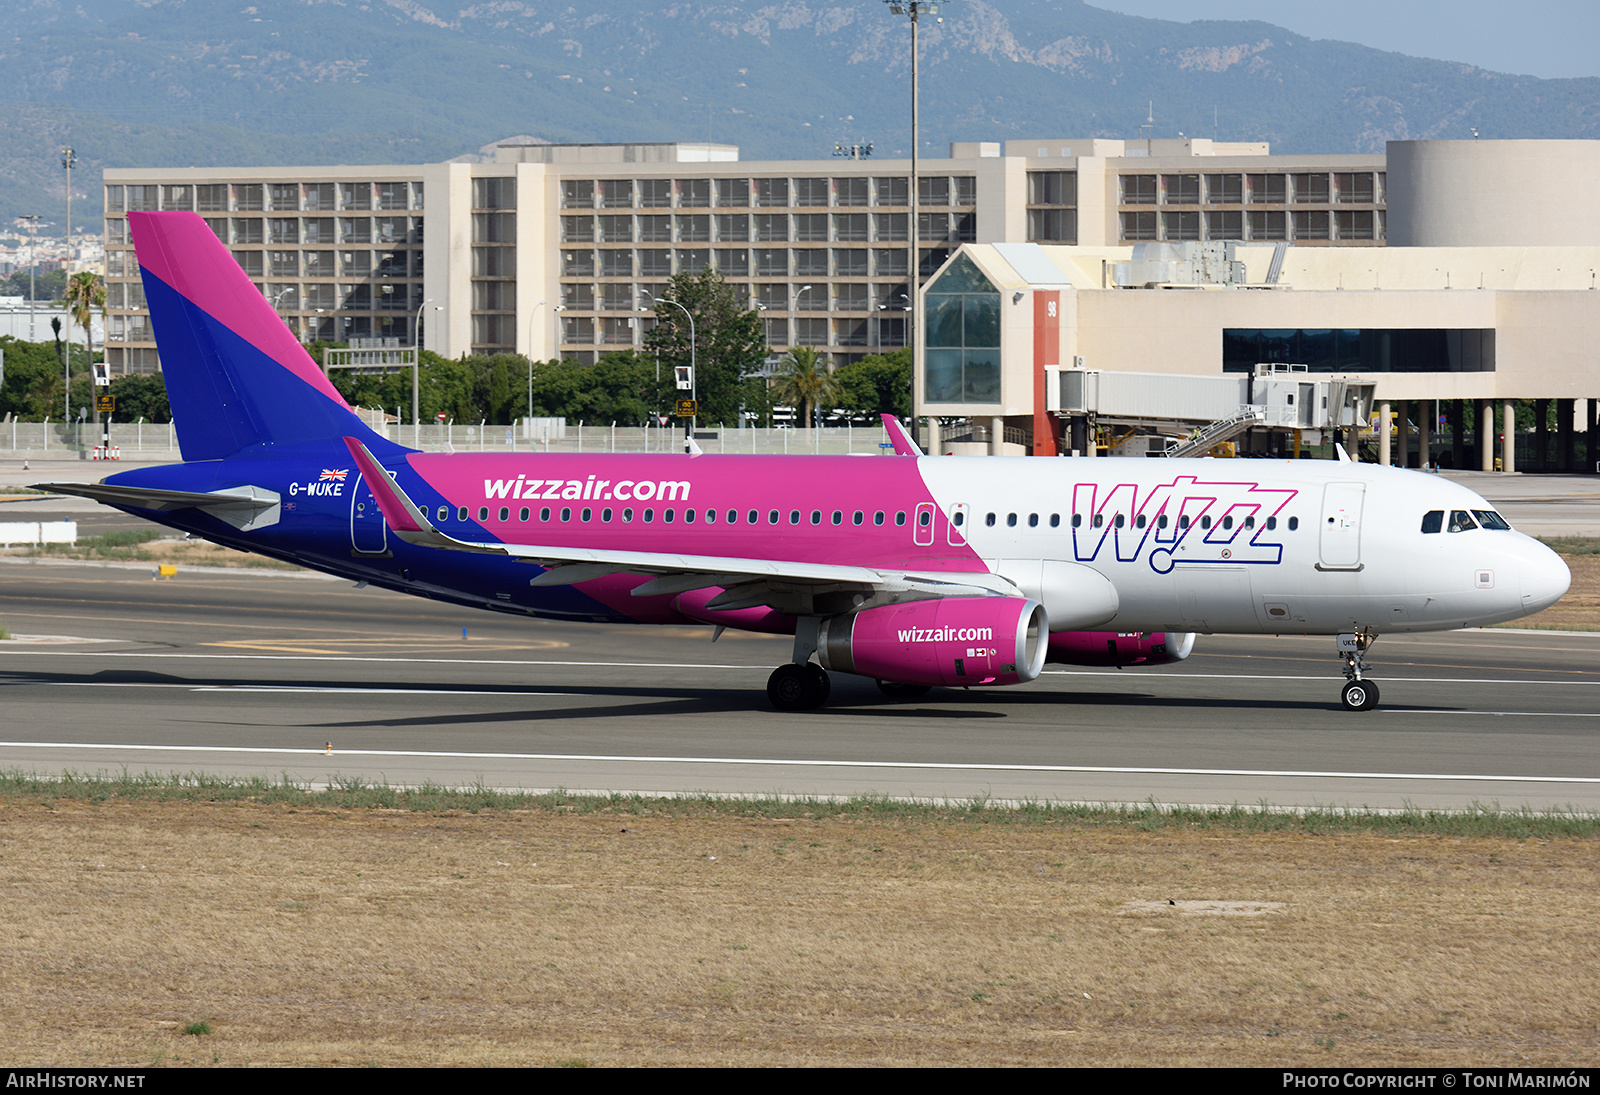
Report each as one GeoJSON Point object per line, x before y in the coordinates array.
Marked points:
{"type": "Point", "coordinates": [154, 83]}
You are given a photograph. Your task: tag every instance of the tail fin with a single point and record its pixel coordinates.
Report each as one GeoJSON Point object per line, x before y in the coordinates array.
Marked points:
{"type": "Point", "coordinates": [236, 375]}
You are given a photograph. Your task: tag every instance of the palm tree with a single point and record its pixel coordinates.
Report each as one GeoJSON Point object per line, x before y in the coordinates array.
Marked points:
{"type": "Point", "coordinates": [85, 293]}
{"type": "Point", "coordinates": [805, 381]}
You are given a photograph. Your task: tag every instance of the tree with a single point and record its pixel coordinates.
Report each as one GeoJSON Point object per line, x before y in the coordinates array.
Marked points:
{"type": "Point", "coordinates": [141, 395]}
{"type": "Point", "coordinates": [806, 382]}
{"type": "Point", "coordinates": [85, 293]}
{"type": "Point", "coordinates": [877, 384]}
{"type": "Point", "coordinates": [728, 341]}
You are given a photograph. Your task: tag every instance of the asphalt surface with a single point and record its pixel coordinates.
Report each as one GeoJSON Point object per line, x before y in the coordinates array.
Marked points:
{"type": "Point", "coordinates": [243, 672]}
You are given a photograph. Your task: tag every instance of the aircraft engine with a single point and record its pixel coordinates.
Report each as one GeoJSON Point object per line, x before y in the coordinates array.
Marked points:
{"type": "Point", "coordinates": [1118, 648]}
{"type": "Point", "coordinates": [951, 641]}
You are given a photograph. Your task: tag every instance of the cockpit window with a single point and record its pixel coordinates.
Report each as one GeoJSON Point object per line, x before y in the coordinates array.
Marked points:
{"type": "Point", "coordinates": [1461, 521]}
{"type": "Point", "coordinates": [1488, 518]}
{"type": "Point", "coordinates": [1433, 521]}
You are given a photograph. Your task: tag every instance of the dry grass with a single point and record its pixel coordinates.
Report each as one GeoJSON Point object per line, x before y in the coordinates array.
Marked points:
{"type": "Point", "coordinates": [152, 546]}
{"type": "Point", "coordinates": [320, 936]}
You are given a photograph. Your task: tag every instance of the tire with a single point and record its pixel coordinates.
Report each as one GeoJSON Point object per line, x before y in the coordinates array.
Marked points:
{"type": "Point", "coordinates": [897, 691]}
{"type": "Point", "coordinates": [789, 688]}
{"type": "Point", "coordinates": [1359, 696]}
{"type": "Point", "coordinates": [818, 683]}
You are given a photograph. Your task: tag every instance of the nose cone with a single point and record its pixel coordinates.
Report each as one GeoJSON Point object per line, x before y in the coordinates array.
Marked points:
{"type": "Point", "coordinates": [1545, 578]}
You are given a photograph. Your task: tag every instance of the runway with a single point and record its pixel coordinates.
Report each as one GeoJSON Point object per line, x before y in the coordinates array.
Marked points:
{"type": "Point", "coordinates": [276, 673]}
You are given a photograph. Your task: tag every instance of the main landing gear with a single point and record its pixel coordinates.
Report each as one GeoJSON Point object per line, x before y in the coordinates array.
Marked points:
{"type": "Point", "coordinates": [802, 684]}
{"type": "Point", "coordinates": [1358, 694]}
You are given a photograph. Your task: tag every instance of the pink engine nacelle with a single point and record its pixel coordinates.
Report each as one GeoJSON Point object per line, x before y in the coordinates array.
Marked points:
{"type": "Point", "coordinates": [1120, 648]}
{"type": "Point", "coordinates": [951, 641]}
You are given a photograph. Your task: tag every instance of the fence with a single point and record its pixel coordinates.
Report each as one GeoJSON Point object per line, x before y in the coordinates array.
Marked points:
{"type": "Point", "coordinates": [160, 442]}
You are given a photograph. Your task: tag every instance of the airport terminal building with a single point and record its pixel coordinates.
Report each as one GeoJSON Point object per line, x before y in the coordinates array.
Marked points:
{"type": "Point", "coordinates": [1461, 273]}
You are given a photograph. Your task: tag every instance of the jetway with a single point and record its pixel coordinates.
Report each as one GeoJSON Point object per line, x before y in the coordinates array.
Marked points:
{"type": "Point", "coordinates": [1174, 415]}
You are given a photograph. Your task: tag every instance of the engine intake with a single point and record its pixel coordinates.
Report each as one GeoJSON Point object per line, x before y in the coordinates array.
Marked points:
{"type": "Point", "coordinates": [952, 641]}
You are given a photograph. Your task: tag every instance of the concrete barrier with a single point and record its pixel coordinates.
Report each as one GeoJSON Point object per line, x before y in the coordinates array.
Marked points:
{"type": "Point", "coordinates": [38, 532]}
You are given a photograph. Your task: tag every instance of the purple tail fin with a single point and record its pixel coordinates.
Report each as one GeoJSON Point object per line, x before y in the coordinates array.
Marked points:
{"type": "Point", "coordinates": [236, 375]}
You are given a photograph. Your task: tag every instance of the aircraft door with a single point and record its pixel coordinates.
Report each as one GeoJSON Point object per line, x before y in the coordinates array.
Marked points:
{"type": "Point", "coordinates": [1340, 543]}
{"type": "Point", "coordinates": [368, 530]}
{"type": "Point", "coordinates": [956, 533]}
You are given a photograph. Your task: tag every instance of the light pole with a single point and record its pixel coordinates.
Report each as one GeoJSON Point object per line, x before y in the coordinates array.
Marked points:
{"type": "Point", "coordinates": [694, 374]}
{"type": "Point", "coordinates": [69, 159]}
{"type": "Point", "coordinates": [416, 375]}
{"type": "Point", "coordinates": [33, 268]}
{"type": "Point", "coordinates": [915, 9]}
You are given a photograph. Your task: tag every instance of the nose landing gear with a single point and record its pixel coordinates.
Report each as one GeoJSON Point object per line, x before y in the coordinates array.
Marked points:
{"type": "Point", "coordinates": [1358, 694]}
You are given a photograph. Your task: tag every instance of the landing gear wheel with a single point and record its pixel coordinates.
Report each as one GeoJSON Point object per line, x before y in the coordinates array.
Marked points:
{"type": "Point", "coordinates": [1359, 696]}
{"type": "Point", "coordinates": [819, 683]}
{"type": "Point", "coordinates": [795, 687]}
{"type": "Point", "coordinates": [896, 691]}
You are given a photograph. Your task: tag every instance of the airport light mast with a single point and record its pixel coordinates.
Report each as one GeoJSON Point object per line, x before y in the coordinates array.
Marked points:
{"type": "Point", "coordinates": [914, 9]}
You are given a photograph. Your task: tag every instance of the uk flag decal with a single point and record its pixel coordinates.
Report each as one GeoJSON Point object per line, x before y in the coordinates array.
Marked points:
{"type": "Point", "coordinates": [331, 475]}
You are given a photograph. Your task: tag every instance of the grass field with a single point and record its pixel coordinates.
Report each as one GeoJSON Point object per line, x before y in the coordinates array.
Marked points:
{"type": "Point", "coordinates": [191, 929]}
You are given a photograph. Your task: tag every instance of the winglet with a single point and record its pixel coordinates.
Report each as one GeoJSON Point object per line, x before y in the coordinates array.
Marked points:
{"type": "Point", "coordinates": [1341, 453]}
{"type": "Point", "coordinates": [903, 443]}
{"type": "Point", "coordinates": [409, 522]}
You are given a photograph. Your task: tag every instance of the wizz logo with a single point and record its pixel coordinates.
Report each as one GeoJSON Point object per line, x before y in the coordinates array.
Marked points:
{"type": "Point", "coordinates": [1206, 522]}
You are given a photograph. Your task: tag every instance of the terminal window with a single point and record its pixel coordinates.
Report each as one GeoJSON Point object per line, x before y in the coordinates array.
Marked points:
{"type": "Point", "coordinates": [963, 337]}
{"type": "Point", "coordinates": [1361, 350]}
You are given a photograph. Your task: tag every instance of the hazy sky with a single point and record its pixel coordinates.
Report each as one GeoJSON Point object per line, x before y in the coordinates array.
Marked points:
{"type": "Point", "coordinates": [1531, 37]}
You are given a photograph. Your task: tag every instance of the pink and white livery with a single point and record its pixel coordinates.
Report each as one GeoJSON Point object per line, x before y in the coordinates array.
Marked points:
{"type": "Point", "coordinates": [913, 571]}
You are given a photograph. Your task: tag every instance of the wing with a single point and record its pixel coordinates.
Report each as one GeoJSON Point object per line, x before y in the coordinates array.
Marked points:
{"type": "Point", "coordinates": [796, 587]}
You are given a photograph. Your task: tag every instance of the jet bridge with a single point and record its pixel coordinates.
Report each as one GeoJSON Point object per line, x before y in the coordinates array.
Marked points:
{"type": "Point", "coordinates": [1165, 414]}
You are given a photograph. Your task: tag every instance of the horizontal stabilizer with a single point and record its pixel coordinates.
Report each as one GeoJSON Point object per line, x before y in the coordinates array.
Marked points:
{"type": "Point", "coordinates": [244, 508]}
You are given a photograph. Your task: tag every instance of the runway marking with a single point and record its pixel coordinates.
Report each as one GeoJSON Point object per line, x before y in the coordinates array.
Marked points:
{"type": "Point", "coordinates": [938, 766]}
{"type": "Point", "coordinates": [398, 644]}
{"type": "Point", "coordinates": [766, 667]}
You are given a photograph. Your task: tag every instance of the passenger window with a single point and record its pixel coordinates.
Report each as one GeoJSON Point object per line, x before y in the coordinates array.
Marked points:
{"type": "Point", "coordinates": [544, 514]}
{"type": "Point", "coordinates": [461, 514]}
{"type": "Point", "coordinates": [900, 517]}
{"type": "Point", "coordinates": [960, 518]}
{"type": "Point", "coordinates": [605, 516]}
{"type": "Point", "coordinates": [505, 513]}
{"type": "Point", "coordinates": [1294, 523]}
{"type": "Point", "coordinates": [838, 517]}
{"type": "Point", "coordinates": [856, 517]}
{"type": "Point", "coordinates": [877, 518]}
{"type": "Point", "coordinates": [1205, 523]}
{"type": "Point", "coordinates": [1161, 522]}
{"type": "Point", "coordinates": [649, 515]}
{"type": "Point", "coordinates": [1033, 520]}
{"type": "Point", "coordinates": [566, 513]}
{"type": "Point", "coordinates": [924, 518]}
{"type": "Point", "coordinates": [711, 516]}
{"type": "Point", "coordinates": [989, 520]}
{"type": "Point", "coordinates": [1099, 520]}
{"type": "Point", "coordinates": [444, 513]}
{"type": "Point", "coordinates": [1055, 520]}
{"type": "Point", "coordinates": [688, 516]}
{"type": "Point", "coordinates": [794, 517]}
{"type": "Point", "coordinates": [667, 516]}
{"type": "Point", "coordinates": [1227, 522]}
{"type": "Point", "coordinates": [587, 514]}
{"type": "Point", "coordinates": [1250, 522]}
{"type": "Point", "coordinates": [733, 517]}
{"type": "Point", "coordinates": [1461, 521]}
{"type": "Point", "coordinates": [1118, 521]}
{"type": "Point", "coordinates": [1139, 521]}
{"type": "Point", "coordinates": [1077, 520]}
{"type": "Point", "coordinates": [522, 514]}
{"type": "Point", "coordinates": [1183, 521]}
{"type": "Point", "coordinates": [755, 517]}
{"type": "Point", "coordinates": [772, 517]}
{"type": "Point", "coordinates": [483, 513]}
{"type": "Point", "coordinates": [1011, 520]}
{"type": "Point", "coordinates": [1433, 521]}
{"type": "Point", "coordinates": [816, 517]}
{"type": "Point", "coordinates": [1272, 523]}
{"type": "Point", "coordinates": [627, 515]}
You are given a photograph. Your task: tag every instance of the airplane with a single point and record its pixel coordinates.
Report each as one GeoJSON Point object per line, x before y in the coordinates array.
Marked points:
{"type": "Point", "coordinates": [911, 570]}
